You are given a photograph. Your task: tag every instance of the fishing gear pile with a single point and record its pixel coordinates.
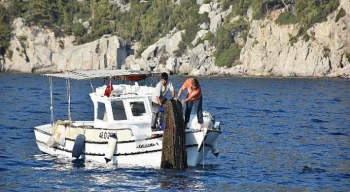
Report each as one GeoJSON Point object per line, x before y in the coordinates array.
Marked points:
{"type": "Point", "coordinates": [174, 154]}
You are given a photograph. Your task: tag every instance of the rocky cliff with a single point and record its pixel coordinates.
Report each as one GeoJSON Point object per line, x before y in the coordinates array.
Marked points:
{"type": "Point", "coordinates": [268, 50]}
{"type": "Point", "coordinates": [38, 50]}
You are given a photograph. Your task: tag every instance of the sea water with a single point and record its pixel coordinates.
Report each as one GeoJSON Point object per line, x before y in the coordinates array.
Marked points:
{"type": "Point", "coordinates": [278, 134]}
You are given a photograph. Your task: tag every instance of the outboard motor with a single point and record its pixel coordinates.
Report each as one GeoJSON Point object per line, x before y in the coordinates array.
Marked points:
{"type": "Point", "coordinates": [208, 121]}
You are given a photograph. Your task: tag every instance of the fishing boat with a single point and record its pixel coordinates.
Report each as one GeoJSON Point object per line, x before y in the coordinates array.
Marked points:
{"type": "Point", "coordinates": [120, 130]}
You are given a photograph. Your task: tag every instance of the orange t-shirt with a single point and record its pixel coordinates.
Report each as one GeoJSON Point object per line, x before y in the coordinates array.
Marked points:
{"type": "Point", "coordinates": [197, 93]}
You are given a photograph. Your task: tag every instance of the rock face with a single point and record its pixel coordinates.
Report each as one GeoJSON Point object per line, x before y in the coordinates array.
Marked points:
{"type": "Point", "coordinates": [107, 52]}
{"type": "Point", "coordinates": [268, 50]}
{"type": "Point", "coordinates": [38, 50]}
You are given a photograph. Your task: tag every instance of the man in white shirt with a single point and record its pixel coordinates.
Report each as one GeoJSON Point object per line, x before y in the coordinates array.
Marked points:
{"type": "Point", "coordinates": [159, 96]}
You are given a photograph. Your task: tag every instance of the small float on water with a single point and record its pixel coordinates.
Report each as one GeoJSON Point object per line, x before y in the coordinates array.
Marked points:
{"type": "Point", "coordinates": [120, 130]}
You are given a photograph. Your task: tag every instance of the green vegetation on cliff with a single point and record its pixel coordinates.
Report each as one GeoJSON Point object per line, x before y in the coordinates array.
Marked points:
{"type": "Point", "coordinates": [147, 21]}
{"type": "Point", "coordinates": [5, 32]}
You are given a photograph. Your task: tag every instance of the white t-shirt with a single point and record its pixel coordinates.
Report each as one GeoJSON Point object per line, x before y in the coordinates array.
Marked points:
{"type": "Point", "coordinates": [161, 91]}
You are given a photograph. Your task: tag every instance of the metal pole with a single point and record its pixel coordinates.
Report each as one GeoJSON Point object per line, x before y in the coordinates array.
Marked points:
{"type": "Point", "coordinates": [68, 95]}
{"type": "Point", "coordinates": [51, 101]}
{"type": "Point", "coordinates": [203, 147]}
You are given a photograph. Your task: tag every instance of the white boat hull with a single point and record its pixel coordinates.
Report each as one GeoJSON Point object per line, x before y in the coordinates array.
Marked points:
{"type": "Point", "coordinates": [142, 152]}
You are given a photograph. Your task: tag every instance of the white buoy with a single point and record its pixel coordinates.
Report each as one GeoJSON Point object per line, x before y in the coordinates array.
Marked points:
{"type": "Point", "coordinates": [112, 142]}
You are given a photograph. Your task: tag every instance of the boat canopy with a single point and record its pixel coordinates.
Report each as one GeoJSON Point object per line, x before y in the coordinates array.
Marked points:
{"type": "Point", "coordinates": [100, 73]}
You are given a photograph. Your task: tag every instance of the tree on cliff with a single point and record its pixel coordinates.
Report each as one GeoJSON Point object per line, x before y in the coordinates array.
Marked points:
{"type": "Point", "coordinates": [101, 17]}
{"type": "Point", "coordinates": [146, 22]}
{"type": "Point", "coordinates": [5, 33]}
{"type": "Point", "coordinates": [40, 13]}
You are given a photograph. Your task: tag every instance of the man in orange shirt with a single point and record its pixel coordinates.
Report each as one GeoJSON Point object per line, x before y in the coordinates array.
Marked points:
{"type": "Point", "coordinates": [193, 97]}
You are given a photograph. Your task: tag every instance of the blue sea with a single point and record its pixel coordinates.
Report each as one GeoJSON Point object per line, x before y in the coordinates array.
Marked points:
{"type": "Point", "coordinates": [279, 134]}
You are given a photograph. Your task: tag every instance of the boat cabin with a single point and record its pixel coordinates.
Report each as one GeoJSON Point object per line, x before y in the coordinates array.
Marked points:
{"type": "Point", "coordinates": [127, 108]}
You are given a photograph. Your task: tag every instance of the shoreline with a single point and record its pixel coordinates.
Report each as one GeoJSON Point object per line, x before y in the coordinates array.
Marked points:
{"type": "Point", "coordinates": [214, 75]}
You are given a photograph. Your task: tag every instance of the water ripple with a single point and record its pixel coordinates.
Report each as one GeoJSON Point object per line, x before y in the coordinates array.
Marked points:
{"type": "Point", "coordinates": [272, 129]}
{"type": "Point", "coordinates": [318, 121]}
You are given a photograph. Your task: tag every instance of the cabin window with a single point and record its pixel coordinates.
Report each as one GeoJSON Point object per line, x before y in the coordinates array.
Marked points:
{"type": "Point", "coordinates": [101, 111]}
{"type": "Point", "coordinates": [118, 110]}
{"type": "Point", "coordinates": [137, 108]}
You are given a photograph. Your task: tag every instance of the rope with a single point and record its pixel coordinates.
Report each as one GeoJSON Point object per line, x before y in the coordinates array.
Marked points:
{"type": "Point", "coordinates": [51, 101]}
{"type": "Point", "coordinates": [203, 146]}
{"type": "Point", "coordinates": [91, 85]}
